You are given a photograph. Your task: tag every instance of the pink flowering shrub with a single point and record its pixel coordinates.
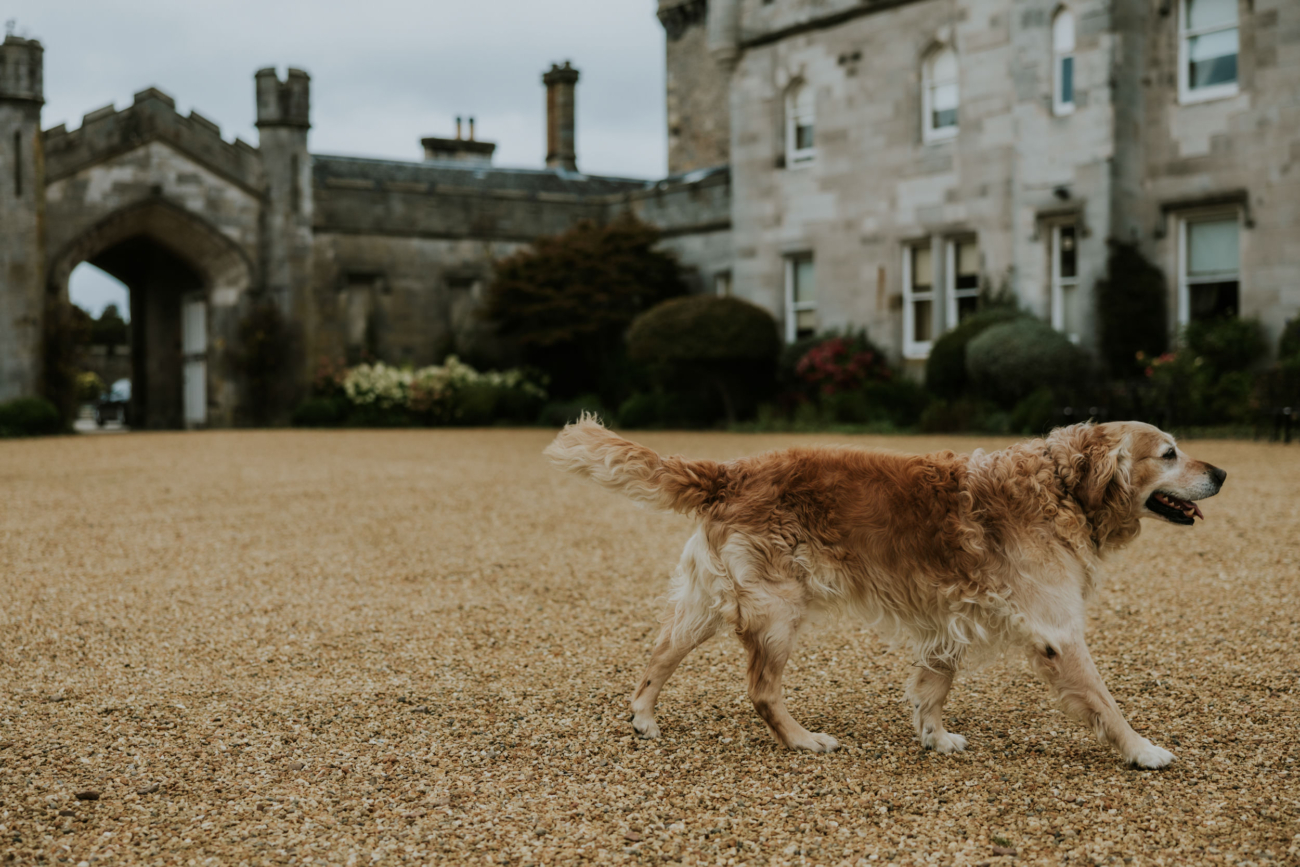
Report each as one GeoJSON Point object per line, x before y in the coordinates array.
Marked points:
{"type": "Point", "coordinates": [840, 364]}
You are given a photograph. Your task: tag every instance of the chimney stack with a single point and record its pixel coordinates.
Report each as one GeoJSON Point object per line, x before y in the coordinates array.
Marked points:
{"type": "Point", "coordinates": [560, 84]}
{"type": "Point", "coordinates": [471, 128]}
{"type": "Point", "coordinates": [457, 127]}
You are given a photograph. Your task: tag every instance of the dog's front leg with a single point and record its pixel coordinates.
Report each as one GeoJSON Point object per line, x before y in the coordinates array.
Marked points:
{"type": "Point", "coordinates": [1076, 684]}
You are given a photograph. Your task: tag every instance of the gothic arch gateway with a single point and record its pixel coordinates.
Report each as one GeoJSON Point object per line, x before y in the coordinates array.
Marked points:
{"type": "Point", "coordinates": [186, 281]}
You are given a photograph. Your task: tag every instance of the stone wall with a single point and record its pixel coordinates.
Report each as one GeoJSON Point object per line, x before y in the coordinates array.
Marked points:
{"type": "Point", "coordinates": [696, 90]}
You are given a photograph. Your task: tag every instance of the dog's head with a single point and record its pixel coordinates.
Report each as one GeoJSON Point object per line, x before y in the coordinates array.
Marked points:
{"type": "Point", "coordinates": [1120, 472]}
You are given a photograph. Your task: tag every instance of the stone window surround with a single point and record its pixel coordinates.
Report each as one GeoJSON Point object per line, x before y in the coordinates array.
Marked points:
{"type": "Point", "coordinates": [1186, 95]}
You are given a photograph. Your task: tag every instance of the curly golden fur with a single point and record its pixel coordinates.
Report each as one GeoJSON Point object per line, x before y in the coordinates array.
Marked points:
{"type": "Point", "coordinates": [955, 556]}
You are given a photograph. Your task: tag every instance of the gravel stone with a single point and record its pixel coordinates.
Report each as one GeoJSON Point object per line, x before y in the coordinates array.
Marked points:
{"type": "Point", "coordinates": [438, 633]}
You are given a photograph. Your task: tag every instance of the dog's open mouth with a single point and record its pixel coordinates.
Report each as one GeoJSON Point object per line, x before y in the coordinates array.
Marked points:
{"type": "Point", "coordinates": [1173, 509]}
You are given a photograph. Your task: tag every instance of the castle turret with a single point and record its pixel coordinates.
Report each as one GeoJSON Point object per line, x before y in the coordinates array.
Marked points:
{"type": "Point", "coordinates": [22, 200]}
{"type": "Point", "coordinates": [702, 48]}
{"type": "Point", "coordinates": [283, 119]}
{"type": "Point", "coordinates": [561, 83]}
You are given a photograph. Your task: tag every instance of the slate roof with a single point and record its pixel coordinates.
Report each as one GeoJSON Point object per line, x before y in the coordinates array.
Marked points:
{"type": "Point", "coordinates": [326, 168]}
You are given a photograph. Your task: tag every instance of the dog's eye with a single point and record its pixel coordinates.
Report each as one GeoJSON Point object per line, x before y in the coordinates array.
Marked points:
{"type": "Point", "coordinates": [1170, 455]}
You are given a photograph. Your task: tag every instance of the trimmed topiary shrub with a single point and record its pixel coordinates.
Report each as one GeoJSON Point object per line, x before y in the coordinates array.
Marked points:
{"type": "Point", "coordinates": [1010, 361]}
{"type": "Point", "coordinates": [945, 369]}
{"type": "Point", "coordinates": [1132, 304]}
{"type": "Point", "coordinates": [725, 346]}
{"type": "Point", "coordinates": [29, 416]}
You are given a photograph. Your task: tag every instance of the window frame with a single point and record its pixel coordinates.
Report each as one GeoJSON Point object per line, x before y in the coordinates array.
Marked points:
{"type": "Point", "coordinates": [1186, 94]}
{"type": "Point", "coordinates": [950, 276]}
{"type": "Point", "coordinates": [1185, 282]}
{"type": "Point", "coordinates": [722, 285]}
{"type": "Point", "coordinates": [1061, 108]}
{"type": "Point", "coordinates": [1059, 282]}
{"type": "Point", "coordinates": [930, 133]}
{"type": "Point", "coordinates": [912, 348]}
{"type": "Point", "coordinates": [796, 157]}
{"type": "Point", "coordinates": [792, 308]}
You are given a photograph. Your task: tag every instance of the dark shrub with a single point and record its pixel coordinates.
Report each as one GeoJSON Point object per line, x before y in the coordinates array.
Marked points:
{"type": "Point", "coordinates": [1037, 413]}
{"type": "Point", "coordinates": [558, 413]}
{"type": "Point", "coordinates": [320, 412]}
{"type": "Point", "coordinates": [1289, 344]}
{"type": "Point", "coordinates": [964, 414]}
{"type": "Point", "coordinates": [945, 369]}
{"type": "Point", "coordinates": [645, 410]}
{"type": "Point", "coordinates": [1226, 345]}
{"type": "Point", "coordinates": [1132, 302]}
{"type": "Point", "coordinates": [1010, 361]}
{"type": "Point", "coordinates": [723, 346]}
{"type": "Point", "coordinates": [29, 416]}
{"type": "Point", "coordinates": [567, 300]}
{"type": "Point", "coordinates": [263, 355]}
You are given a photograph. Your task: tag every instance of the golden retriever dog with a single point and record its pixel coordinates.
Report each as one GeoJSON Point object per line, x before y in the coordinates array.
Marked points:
{"type": "Point", "coordinates": [957, 557]}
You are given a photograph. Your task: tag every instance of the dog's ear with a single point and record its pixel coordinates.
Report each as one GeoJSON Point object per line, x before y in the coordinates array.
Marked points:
{"type": "Point", "coordinates": [1094, 463]}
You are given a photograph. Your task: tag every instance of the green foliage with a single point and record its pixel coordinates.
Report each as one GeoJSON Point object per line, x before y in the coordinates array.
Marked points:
{"type": "Point", "coordinates": [90, 386]}
{"type": "Point", "coordinates": [30, 416]}
{"type": "Point", "coordinates": [561, 412]}
{"type": "Point", "coordinates": [1209, 379]}
{"type": "Point", "coordinates": [1228, 345]}
{"type": "Point", "coordinates": [1010, 361]}
{"type": "Point", "coordinates": [1037, 413]}
{"type": "Point", "coordinates": [945, 369]}
{"type": "Point", "coordinates": [263, 355]}
{"type": "Point", "coordinates": [1132, 303]}
{"type": "Point", "coordinates": [320, 412]}
{"type": "Point", "coordinates": [897, 402]}
{"type": "Point", "coordinates": [567, 300]}
{"type": "Point", "coordinates": [706, 350]}
{"type": "Point", "coordinates": [110, 329]}
{"type": "Point", "coordinates": [962, 414]}
{"type": "Point", "coordinates": [66, 329]}
{"type": "Point", "coordinates": [1289, 344]}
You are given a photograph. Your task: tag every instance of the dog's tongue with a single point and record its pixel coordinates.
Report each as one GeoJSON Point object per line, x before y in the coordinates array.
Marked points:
{"type": "Point", "coordinates": [1197, 510]}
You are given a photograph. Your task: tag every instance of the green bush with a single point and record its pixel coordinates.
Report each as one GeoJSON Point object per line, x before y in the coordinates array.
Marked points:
{"type": "Point", "coordinates": [724, 349]}
{"type": "Point", "coordinates": [1037, 413]}
{"type": "Point", "coordinates": [1010, 361]}
{"type": "Point", "coordinates": [963, 414]}
{"type": "Point", "coordinates": [645, 410]}
{"type": "Point", "coordinates": [1289, 344]}
{"type": "Point", "coordinates": [945, 369]}
{"type": "Point", "coordinates": [29, 416]}
{"type": "Point", "coordinates": [558, 413]}
{"type": "Point", "coordinates": [320, 412]}
{"type": "Point", "coordinates": [1227, 345]}
{"type": "Point", "coordinates": [1132, 302]}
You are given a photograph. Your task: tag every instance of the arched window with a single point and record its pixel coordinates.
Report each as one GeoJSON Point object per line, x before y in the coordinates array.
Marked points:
{"type": "Point", "coordinates": [940, 95]}
{"type": "Point", "coordinates": [799, 116]}
{"type": "Point", "coordinates": [1063, 62]}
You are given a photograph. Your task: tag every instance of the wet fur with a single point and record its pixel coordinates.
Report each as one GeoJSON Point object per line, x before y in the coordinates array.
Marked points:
{"type": "Point", "coordinates": [956, 557]}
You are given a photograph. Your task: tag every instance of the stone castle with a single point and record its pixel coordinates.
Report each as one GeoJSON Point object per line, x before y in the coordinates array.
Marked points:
{"type": "Point", "coordinates": [843, 163]}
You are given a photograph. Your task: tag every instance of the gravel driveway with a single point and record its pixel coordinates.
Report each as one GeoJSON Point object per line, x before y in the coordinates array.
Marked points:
{"type": "Point", "coordinates": [416, 647]}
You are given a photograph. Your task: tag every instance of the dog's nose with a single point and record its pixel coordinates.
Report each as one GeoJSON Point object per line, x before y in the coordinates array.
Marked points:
{"type": "Point", "coordinates": [1218, 475]}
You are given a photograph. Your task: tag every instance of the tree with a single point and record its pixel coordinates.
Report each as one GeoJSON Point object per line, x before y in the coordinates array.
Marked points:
{"type": "Point", "coordinates": [567, 301]}
{"type": "Point", "coordinates": [1132, 302]}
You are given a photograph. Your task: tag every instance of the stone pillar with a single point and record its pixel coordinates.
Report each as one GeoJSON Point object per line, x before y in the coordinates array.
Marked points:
{"type": "Point", "coordinates": [561, 83]}
{"type": "Point", "coordinates": [22, 212]}
{"type": "Point", "coordinates": [283, 110]}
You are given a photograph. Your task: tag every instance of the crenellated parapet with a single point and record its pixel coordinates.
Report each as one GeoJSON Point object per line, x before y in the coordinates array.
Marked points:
{"type": "Point", "coordinates": [283, 103]}
{"type": "Point", "coordinates": [108, 132]}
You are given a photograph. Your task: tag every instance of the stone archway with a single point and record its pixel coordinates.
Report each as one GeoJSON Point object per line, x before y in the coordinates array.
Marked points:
{"type": "Point", "coordinates": [186, 281]}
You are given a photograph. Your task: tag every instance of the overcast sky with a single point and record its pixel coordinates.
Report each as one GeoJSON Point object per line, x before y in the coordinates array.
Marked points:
{"type": "Point", "coordinates": [384, 72]}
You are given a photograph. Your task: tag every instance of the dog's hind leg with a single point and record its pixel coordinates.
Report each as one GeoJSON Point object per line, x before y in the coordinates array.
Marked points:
{"type": "Point", "coordinates": [928, 690]}
{"type": "Point", "coordinates": [769, 643]}
{"type": "Point", "coordinates": [674, 643]}
{"type": "Point", "coordinates": [1067, 666]}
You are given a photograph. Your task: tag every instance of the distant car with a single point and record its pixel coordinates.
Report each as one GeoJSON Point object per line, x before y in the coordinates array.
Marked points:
{"type": "Point", "coordinates": [114, 404]}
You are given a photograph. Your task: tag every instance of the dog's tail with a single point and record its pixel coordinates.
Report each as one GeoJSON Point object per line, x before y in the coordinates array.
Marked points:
{"type": "Point", "coordinates": [588, 449]}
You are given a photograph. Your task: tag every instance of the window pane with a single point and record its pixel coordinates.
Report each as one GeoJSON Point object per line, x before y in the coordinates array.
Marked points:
{"type": "Point", "coordinates": [922, 270]}
{"type": "Point", "coordinates": [1212, 58]}
{"type": "Point", "coordinates": [804, 288]}
{"type": "Point", "coordinates": [805, 323]}
{"type": "Point", "coordinates": [1068, 263]}
{"type": "Point", "coordinates": [1063, 32]}
{"type": "Point", "coordinates": [922, 320]}
{"type": "Point", "coordinates": [1071, 315]}
{"type": "Point", "coordinates": [1066, 74]}
{"type": "Point", "coordinates": [1212, 248]}
{"type": "Point", "coordinates": [943, 67]}
{"type": "Point", "coordinates": [1208, 13]}
{"type": "Point", "coordinates": [968, 266]}
{"type": "Point", "coordinates": [802, 104]}
{"type": "Point", "coordinates": [943, 97]}
{"type": "Point", "coordinates": [1213, 300]}
{"type": "Point", "coordinates": [803, 136]}
{"type": "Point", "coordinates": [966, 306]}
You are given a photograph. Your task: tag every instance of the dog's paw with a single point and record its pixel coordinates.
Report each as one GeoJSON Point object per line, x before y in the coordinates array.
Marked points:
{"type": "Point", "coordinates": [816, 742]}
{"type": "Point", "coordinates": [1150, 756]}
{"type": "Point", "coordinates": [944, 742]}
{"type": "Point", "coordinates": [645, 727]}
